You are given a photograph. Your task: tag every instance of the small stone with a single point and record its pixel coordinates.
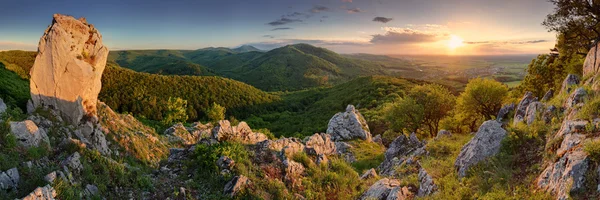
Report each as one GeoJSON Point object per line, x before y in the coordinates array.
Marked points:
{"type": "Point", "coordinates": [371, 173]}
{"type": "Point", "coordinates": [225, 162]}
{"type": "Point", "coordinates": [236, 185]}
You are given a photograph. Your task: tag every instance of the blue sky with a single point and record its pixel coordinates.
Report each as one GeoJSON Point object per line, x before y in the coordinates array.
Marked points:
{"type": "Point", "coordinates": [346, 26]}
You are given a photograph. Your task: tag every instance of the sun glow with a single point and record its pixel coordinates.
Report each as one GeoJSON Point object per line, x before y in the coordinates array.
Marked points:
{"type": "Point", "coordinates": [455, 42]}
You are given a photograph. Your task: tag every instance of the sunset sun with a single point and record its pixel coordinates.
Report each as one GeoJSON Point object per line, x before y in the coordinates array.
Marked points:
{"type": "Point", "coordinates": [455, 42]}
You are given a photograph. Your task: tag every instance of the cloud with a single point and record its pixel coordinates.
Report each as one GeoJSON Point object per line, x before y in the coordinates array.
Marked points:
{"type": "Point", "coordinates": [507, 42]}
{"type": "Point", "coordinates": [297, 14]}
{"type": "Point", "coordinates": [353, 10]}
{"type": "Point", "coordinates": [382, 19]}
{"type": "Point", "coordinates": [316, 42]}
{"type": "Point", "coordinates": [280, 29]}
{"type": "Point", "coordinates": [318, 9]}
{"type": "Point", "coordinates": [10, 45]}
{"type": "Point", "coordinates": [269, 36]}
{"type": "Point", "coordinates": [283, 21]}
{"type": "Point", "coordinates": [406, 35]}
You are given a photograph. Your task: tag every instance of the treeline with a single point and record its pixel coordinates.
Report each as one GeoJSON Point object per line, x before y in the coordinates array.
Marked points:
{"type": "Point", "coordinates": [147, 95]}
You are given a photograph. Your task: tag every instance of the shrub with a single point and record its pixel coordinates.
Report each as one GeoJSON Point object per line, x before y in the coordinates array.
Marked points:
{"type": "Point", "coordinates": [592, 148]}
{"type": "Point", "coordinates": [216, 112]}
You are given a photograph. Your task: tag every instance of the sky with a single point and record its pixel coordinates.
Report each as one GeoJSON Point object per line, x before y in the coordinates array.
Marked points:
{"type": "Point", "coordinates": [404, 27]}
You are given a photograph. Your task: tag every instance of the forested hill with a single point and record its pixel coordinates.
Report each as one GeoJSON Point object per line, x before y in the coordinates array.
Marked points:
{"type": "Point", "coordinates": [292, 67]}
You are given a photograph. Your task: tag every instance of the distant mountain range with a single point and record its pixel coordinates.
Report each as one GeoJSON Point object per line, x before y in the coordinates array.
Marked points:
{"type": "Point", "coordinates": [292, 67]}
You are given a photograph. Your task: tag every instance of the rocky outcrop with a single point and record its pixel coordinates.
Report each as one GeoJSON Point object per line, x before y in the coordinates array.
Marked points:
{"type": "Point", "coordinates": [28, 134]}
{"type": "Point", "coordinates": [319, 143]}
{"type": "Point", "coordinates": [503, 112]}
{"type": "Point", "coordinates": [371, 173]}
{"type": "Point", "coordinates": [521, 109]}
{"type": "Point", "coordinates": [72, 163]}
{"type": "Point", "coordinates": [90, 133]}
{"type": "Point", "coordinates": [287, 146]}
{"type": "Point", "coordinates": [344, 150]}
{"type": "Point", "coordinates": [236, 185]}
{"type": "Point", "coordinates": [225, 162]}
{"type": "Point", "coordinates": [549, 94]}
{"type": "Point", "coordinates": [426, 184]}
{"type": "Point", "coordinates": [348, 125]}
{"type": "Point", "coordinates": [293, 172]}
{"type": "Point", "coordinates": [565, 176]}
{"type": "Point", "coordinates": [575, 98]}
{"type": "Point", "coordinates": [223, 131]}
{"type": "Point", "coordinates": [179, 134]}
{"type": "Point", "coordinates": [41, 193]}
{"type": "Point", "coordinates": [387, 189]}
{"type": "Point", "coordinates": [9, 179]}
{"type": "Point", "coordinates": [570, 81]}
{"type": "Point", "coordinates": [401, 150]}
{"type": "Point", "coordinates": [90, 191]}
{"type": "Point", "coordinates": [549, 113]}
{"type": "Point", "coordinates": [3, 107]}
{"type": "Point", "coordinates": [591, 65]}
{"type": "Point", "coordinates": [485, 144]}
{"type": "Point", "coordinates": [68, 68]}
{"type": "Point", "coordinates": [532, 111]}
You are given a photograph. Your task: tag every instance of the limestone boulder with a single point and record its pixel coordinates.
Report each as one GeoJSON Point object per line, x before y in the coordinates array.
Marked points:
{"type": "Point", "coordinates": [566, 175]}
{"type": "Point", "coordinates": [570, 81]}
{"type": "Point", "coordinates": [223, 131]}
{"type": "Point", "coordinates": [521, 108]}
{"type": "Point", "coordinates": [371, 173]}
{"type": "Point", "coordinates": [443, 133]}
{"type": "Point", "coordinates": [42, 193]}
{"type": "Point", "coordinates": [180, 134]}
{"type": "Point", "coordinates": [503, 112]}
{"type": "Point", "coordinates": [73, 163]}
{"type": "Point", "coordinates": [575, 98]}
{"type": "Point", "coordinates": [236, 185]}
{"type": "Point", "coordinates": [591, 65]}
{"type": "Point", "coordinates": [348, 125]}
{"type": "Point", "coordinates": [532, 111]}
{"type": "Point", "coordinates": [319, 143]}
{"type": "Point", "coordinates": [9, 179]}
{"type": "Point", "coordinates": [28, 134]}
{"type": "Point", "coordinates": [67, 72]}
{"type": "Point", "coordinates": [402, 149]}
{"type": "Point", "coordinates": [3, 107]}
{"type": "Point", "coordinates": [387, 189]}
{"type": "Point", "coordinates": [225, 162]}
{"type": "Point", "coordinates": [426, 184]}
{"type": "Point", "coordinates": [485, 144]}
{"type": "Point", "coordinates": [90, 133]}
{"type": "Point", "coordinates": [549, 94]}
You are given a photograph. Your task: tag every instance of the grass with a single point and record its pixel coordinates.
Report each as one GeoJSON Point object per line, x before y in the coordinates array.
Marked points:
{"type": "Point", "coordinates": [368, 155]}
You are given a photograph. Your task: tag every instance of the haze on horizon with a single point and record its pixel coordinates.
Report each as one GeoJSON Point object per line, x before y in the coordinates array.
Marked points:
{"type": "Point", "coordinates": [449, 27]}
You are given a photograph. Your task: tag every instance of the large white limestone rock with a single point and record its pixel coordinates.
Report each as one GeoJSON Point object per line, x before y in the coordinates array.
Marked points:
{"type": "Point", "coordinates": [68, 68]}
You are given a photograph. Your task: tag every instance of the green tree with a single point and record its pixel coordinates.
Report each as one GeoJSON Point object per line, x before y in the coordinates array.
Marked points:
{"type": "Point", "coordinates": [437, 102]}
{"type": "Point", "coordinates": [216, 112]}
{"type": "Point", "coordinates": [543, 73]}
{"type": "Point", "coordinates": [578, 23]}
{"type": "Point", "coordinates": [176, 111]}
{"type": "Point", "coordinates": [404, 115]}
{"type": "Point", "coordinates": [482, 98]}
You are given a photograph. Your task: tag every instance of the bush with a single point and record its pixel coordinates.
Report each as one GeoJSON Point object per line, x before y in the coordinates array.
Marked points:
{"type": "Point", "coordinates": [216, 112]}
{"type": "Point", "coordinates": [592, 148]}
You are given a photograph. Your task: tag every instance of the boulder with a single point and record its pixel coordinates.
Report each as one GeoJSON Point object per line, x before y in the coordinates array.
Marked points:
{"type": "Point", "coordinates": [566, 175]}
{"type": "Point", "coordinates": [51, 177]}
{"type": "Point", "coordinates": [321, 159]}
{"type": "Point", "coordinates": [223, 131]}
{"type": "Point", "coordinates": [319, 143]}
{"type": "Point", "coordinates": [549, 94]}
{"type": "Point", "coordinates": [504, 111]}
{"type": "Point", "coordinates": [90, 191]}
{"type": "Point", "coordinates": [426, 184]}
{"type": "Point", "coordinates": [570, 81]}
{"type": "Point", "coordinates": [348, 125]}
{"type": "Point", "coordinates": [286, 146]}
{"type": "Point", "coordinates": [485, 144]}
{"type": "Point", "coordinates": [522, 107]}
{"type": "Point", "coordinates": [591, 65]}
{"type": "Point", "coordinates": [371, 173]}
{"type": "Point", "coordinates": [344, 150]}
{"type": "Point", "coordinates": [9, 179]}
{"type": "Point", "coordinates": [236, 185]}
{"type": "Point", "coordinates": [293, 172]}
{"type": "Point", "coordinates": [401, 149]}
{"type": "Point", "coordinates": [68, 68]}
{"type": "Point", "coordinates": [532, 111]}
{"type": "Point", "coordinates": [179, 134]}
{"type": "Point", "coordinates": [549, 113]}
{"type": "Point", "coordinates": [90, 133]}
{"type": "Point", "coordinates": [575, 98]}
{"type": "Point", "coordinates": [443, 133]}
{"type": "Point", "coordinates": [387, 189]}
{"type": "Point", "coordinates": [41, 193]}
{"type": "Point", "coordinates": [73, 163]}
{"type": "Point", "coordinates": [225, 162]}
{"type": "Point", "coordinates": [3, 107]}
{"type": "Point", "coordinates": [28, 134]}
{"type": "Point", "coordinates": [378, 139]}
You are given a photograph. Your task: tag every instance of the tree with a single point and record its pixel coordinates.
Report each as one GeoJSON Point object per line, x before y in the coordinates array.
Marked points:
{"type": "Point", "coordinates": [577, 21]}
{"type": "Point", "coordinates": [543, 73]}
{"type": "Point", "coordinates": [216, 112]}
{"type": "Point", "coordinates": [482, 97]}
{"type": "Point", "coordinates": [176, 111]}
{"type": "Point", "coordinates": [437, 102]}
{"type": "Point", "coordinates": [404, 115]}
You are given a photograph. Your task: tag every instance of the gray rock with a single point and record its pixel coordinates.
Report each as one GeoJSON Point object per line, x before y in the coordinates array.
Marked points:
{"type": "Point", "coordinates": [41, 193]}
{"type": "Point", "coordinates": [378, 139]}
{"type": "Point", "coordinates": [225, 162]}
{"type": "Point", "coordinates": [532, 111]}
{"type": "Point", "coordinates": [3, 107]}
{"type": "Point", "coordinates": [293, 172]}
{"type": "Point", "coordinates": [73, 163]}
{"type": "Point", "coordinates": [385, 189]}
{"type": "Point", "coordinates": [591, 65]}
{"type": "Point", "coordinates": [9, 179]}
{"type": "Point", "coordinates": [521, 109]}
{"type": "Point", "coordinates": [91, 190]}
{"type": "Point", "coordinates": [400, 150]}
{"type": "Point", "coordinates": [236, 185]}
{"type": "Point", "coordinates": [566, 175]}
{"type": "Point", "coordinates": [223, 131]}
{"type": "Point", "coordinates": [485, 144]}
{"type": "Point", "coordinates": [371, 173]}
{"type": "Point", "coordinates": [50, 177]}
{"type": "Point", "coordinates": [319, 143]}
{"type": "Point", "coordinates": [176, 154]}
{"type": "Point", "coordinates": [426, 184]}
{"type": "Point", "coordinates": [576, 97]}
{"type": "Point", "coordinates": [90, 133]}
{"type": "Point", "coordinates": [344, 150]}
{"type": "Point", "coordinates": [549, 113]}
{"type": "Point", "coordinates": [570, 81]}
{"type": "Point", "coordinates": [321, 159]}
{"type": "Point", "coordinates": [549, 94]}
{"type": "Point", "coordinates": [443, 133]}
{"type": "Point", "coordinates": [179, 134]}
{"type": "Point", "coordinates": [348, 125]}
{"type": "Point", "coordinates": [504, 111]}
{"type": "Point", "coordinates": [28, 134]}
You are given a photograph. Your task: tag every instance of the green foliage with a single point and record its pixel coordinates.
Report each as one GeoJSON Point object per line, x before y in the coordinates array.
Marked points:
{"type": "Point", "coordinates": [592, 148]}
{"type": "Point", "coordinates": [543, 73]}
{"type": "Point", "coordinates": [206, 156]}
{"type": "Point", "coordinates": [577, 23]}
{"type": "Point", "coordinates": [14, 90]}
{"type": "Point", "coordinates": [591, 109]}
{"type": "Point", "coordinates": [437, 102]}
{"type": "Point", "coordinates": [482, 97]}
{"type": "Point", "coordinates": [216, 112]}
{"type": "Point", "coordinates": [368, 155]}
{"type": "Point", "coordinates": [405, 115]}
{"type": "Point", "coordinates": [176, 111]}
